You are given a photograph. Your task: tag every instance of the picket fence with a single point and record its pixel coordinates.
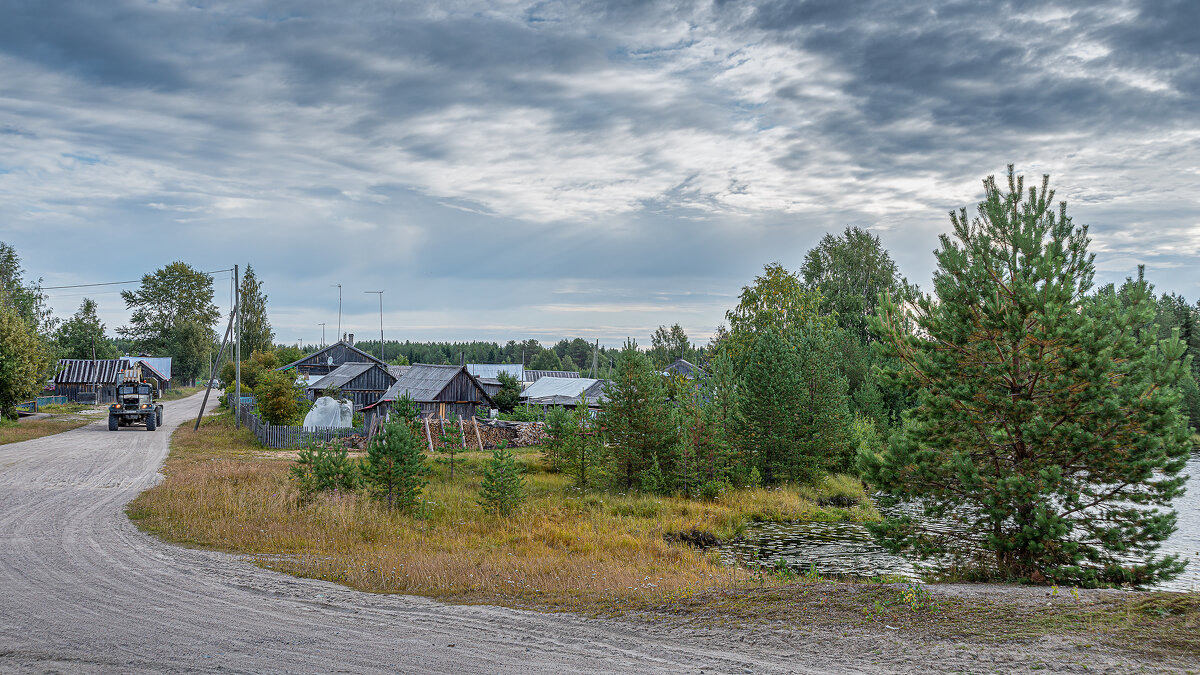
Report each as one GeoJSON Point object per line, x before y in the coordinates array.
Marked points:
{"type": "Point", "coordinates": [286, 437]}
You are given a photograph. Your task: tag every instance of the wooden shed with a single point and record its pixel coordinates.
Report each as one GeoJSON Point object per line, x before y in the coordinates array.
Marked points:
{"type": "Point", "coordinates": [95, 381]}
{"type": "Point", "coordinates": [441, 392]}
{"type": "Point", "coordinates": [330, 359]}
{"type": "Point", "coordinates": [363, 383]}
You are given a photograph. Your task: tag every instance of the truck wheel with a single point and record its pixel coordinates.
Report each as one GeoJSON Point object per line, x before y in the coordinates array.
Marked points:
{"type": "Point", "coordinates": [112, 422]}
{"type": "Point", "coordinates": [150, 419]}
{"type": "Point", "coordinates": [158, 417]}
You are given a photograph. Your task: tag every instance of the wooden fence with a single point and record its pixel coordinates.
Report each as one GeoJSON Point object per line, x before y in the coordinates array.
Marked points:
{"type": "Point", "coordinates": [289, 437]}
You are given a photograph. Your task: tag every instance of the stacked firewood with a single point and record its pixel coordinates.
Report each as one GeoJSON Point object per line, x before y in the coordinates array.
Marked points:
{"type": "Point", "coordinates": [532, 433]}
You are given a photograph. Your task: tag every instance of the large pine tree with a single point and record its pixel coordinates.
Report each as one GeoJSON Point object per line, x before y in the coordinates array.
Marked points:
{"type": "Point", "coordinates": [1047, 432]}
{"type": "Point", "coordinates": [638, 419]}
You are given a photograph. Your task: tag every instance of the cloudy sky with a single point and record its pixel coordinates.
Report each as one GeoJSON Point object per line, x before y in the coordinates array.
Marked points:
{"type": "Point", "coordinates": [546, 169]}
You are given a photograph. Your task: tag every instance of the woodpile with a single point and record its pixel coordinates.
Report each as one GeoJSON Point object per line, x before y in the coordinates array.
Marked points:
{"type": "Point", "coordinates": [474, 433]}
{"type": "Point", "coordinates": [532, 433]}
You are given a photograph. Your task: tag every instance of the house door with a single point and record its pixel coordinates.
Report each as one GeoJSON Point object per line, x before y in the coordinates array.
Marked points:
{"type": "Point", "coordinates": [442, 410]}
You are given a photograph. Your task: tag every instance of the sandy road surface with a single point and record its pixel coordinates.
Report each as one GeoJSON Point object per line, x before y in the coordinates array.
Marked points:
{"type": "Point", "coordinates": [82, 590]}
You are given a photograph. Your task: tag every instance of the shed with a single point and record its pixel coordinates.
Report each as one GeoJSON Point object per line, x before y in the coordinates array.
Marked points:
{"type": "Point", "coordinates": [549, 391]}
{"type": "Point", "coordinates": [439, 391]}
{"type": "Point", "coordinates": [361, 382]}
{"type": "Point", "coordinates": [330, 358]}
{"type": "Point", "coordinates": [87, 380]}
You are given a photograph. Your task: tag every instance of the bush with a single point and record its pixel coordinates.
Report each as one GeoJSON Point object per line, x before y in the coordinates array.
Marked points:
{"type": "Point", "coordinates": [322, 467]}
{"type": "Point", "coordinates": [503, 488]}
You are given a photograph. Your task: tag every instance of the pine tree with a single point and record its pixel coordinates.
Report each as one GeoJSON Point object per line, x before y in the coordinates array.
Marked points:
{"type": "Point", "coordinates": [395, 466]}
{"type": "Point", "coordinates": [638, 418]}
{"type": "Point", "coordinates": [256, 327]}
{"type": "Point", "coordinates": [1046, 430]}
{"type": "Point", "coordinates": [503, 487]}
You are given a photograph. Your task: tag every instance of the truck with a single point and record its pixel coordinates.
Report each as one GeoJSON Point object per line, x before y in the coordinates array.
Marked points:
{"type": "Point", "coordinates": [135, 403]}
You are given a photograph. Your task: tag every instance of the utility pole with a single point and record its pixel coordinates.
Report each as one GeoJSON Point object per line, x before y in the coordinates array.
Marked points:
{"type": "Point", "coordinates": [595, 358]}
{"type": "Point", "coordinates": [237, 350]}
{"type": "Point", "coordinates": [339, 307]}
{"type": "Point", "coordinates": [322, 325]}
{"type": "Point", "coordinates": [380, 293]}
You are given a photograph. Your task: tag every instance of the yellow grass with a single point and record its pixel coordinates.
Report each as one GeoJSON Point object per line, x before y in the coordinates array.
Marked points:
{"type": "Point", "coordinates": [564, 548]}
{"type": "Point", "coordinates": [15, 432]}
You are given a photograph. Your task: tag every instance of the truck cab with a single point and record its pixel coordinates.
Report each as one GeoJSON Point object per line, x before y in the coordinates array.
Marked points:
{"type": "Point", "coordinates": [135, 405]}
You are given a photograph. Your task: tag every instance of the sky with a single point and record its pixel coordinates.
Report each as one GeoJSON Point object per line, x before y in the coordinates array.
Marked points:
{"type": "Point", "coordinates": [504, 170]}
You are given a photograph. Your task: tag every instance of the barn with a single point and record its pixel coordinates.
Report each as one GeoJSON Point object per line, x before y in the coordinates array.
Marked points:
{"type": "Point", "coordinates": [329, 359]}
{"type": "Point", "coordinates": [361, 382]}
{"type": "Point", "coordinates": [88, 380]}
{"type": "Point", "coordinates": [442, 392]}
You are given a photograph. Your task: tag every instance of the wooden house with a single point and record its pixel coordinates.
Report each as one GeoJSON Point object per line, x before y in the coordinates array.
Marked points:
{"type": "Point", "coordinates": [329, 359]}
{"type": "Point", "coordinates": [683, 369]}
{"type": "Point", "coordinates": [95, 381]}
{"type": "Point", "coordinates": [363, 383]}
{"type": "Point", "coordinates": [442, 392]}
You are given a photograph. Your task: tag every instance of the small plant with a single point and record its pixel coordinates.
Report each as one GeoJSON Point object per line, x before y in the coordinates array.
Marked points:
{"type": "Point", "coordinates": [503, 486]}
{"type": "Point", "coordinates": [320, 467]}
{"type": "Point", "coordinates": [917, 597]}
{"type": "Point", "coordinates": [450, 445]}
{"type": "Point", "coordinates": [395, 467]}
{"type": "Point", "coordinates": [755, 479]}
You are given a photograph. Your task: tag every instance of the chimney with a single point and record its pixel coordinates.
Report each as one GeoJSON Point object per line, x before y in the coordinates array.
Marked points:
{"type": "Point", "coordinates": [351, 340]}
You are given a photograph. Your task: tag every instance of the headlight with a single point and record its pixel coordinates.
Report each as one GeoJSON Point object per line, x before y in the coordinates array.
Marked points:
{"type": "Point", "coordinates": [143, 405]}
{"type": "Point", "coordinates": [117, 406]}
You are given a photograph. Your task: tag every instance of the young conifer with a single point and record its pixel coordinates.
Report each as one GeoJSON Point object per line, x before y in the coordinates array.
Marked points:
{"type": "Point", "coordinates": [503, 487]}
{"type": "Point", "coordinates": [395, 466]}
{"type": "Point", "coordinates": [1047, 430]}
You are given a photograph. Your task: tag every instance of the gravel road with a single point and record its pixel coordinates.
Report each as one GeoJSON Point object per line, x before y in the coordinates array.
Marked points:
{"type": "Point", "coordinates": [82, 590]}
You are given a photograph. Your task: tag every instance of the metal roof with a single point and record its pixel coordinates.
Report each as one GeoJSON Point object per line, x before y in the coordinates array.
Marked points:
{"type": "Point", "coordinates": [87, 371]}
{"type": "Point", "coordinates": [339, 376]}
{"type": "Point", "coordinates": [558, 386]}
{"type": "Point", "coordinates": [493, 370]}
{"type": "Point", "coordinates": [565, 391]}
{"type": "Point", "coordinates": [535, 375]}
{"type": "Point", "coordinates": [683, 368]}
{"type": "Point", "coordinates": [424, 381]}
{"type": "Point", "coordinates": [398, 371]}
{"type": "Point", "coordinates": [160, 364]}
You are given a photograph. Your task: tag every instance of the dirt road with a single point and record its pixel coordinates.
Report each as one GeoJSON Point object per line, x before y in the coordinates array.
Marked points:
{"type": "Point", "coordinates": [82, 590]}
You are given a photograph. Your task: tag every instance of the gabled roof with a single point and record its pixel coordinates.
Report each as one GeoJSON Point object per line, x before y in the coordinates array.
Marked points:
{"type": "Point", "coordinates": [159, 364]}
{"type": "Point", "coordinates": [365, 356]}
{"type": "Point", "coordinates": [147, 363]}
{"type": "Point", "coordinates": [565, 390]}
{"type": "Point", "coordinates": [493, 370]}
{"type": "Point", "coordinates": [87, 371]}
{"type": "Point", "coordinates": [681, 367]}
{"type": "Point", "coordinates": [424, 381]}
{"type": "Point", "coordinates": [535, 375]}
{"type": "Point", "coordinates": [397, 371]}
{"type": "Point", "coordinates": [341, 375]}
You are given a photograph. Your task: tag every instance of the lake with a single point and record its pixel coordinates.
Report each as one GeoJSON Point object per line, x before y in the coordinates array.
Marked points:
{"type": "Point", "coordinates": [848, 549]}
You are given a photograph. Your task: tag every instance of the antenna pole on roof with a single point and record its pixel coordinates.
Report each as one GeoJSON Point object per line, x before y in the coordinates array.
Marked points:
{"type": "Point", "coordinates": [339, 286]}
{"type": "Point", "coordinates": [322, 325]}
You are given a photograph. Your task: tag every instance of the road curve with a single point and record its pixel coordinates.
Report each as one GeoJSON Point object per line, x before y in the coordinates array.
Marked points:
{"type": "Point", "coordinates": [83, 590]}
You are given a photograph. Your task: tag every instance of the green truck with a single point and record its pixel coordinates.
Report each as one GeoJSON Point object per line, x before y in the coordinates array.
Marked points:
{"type": "Point", "coordinates": [135, 405]}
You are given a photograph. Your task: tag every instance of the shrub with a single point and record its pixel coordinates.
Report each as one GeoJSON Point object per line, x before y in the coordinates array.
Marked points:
{"type": "Point", "coordinates": [503, 486]}
{"type": "Point", "coordinates": [322, 467]}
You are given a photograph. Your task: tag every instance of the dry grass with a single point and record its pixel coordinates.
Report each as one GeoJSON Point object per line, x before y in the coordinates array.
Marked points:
{"type": "Point", "coordinates": [15, 432]}
{"type": "Point", "coordinates": [565, 548]}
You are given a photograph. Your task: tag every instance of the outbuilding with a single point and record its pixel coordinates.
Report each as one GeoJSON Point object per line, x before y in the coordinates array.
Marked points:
{"type": "Point", "coordinates": [329, 359]}
{"type": "Point", "coordinates": [361, 382]}
{"type": "Point", "coordinates": [441, 392]}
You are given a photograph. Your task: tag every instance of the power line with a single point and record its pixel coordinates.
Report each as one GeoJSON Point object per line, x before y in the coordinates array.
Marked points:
{"type": "Point", "coordinates": [110, 283]}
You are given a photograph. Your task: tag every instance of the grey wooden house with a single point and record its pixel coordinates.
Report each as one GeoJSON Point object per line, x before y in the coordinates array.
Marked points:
{"type": "Point", "coordinates": [441, 392]}
{"type": "Point", "coordinates": [361, 382]}
{"type": "Point", "coordinates": [329, 359]}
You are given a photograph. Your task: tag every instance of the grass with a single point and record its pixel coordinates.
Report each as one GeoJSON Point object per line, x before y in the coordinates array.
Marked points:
{"type": "Point", "coordinates": [599, 554]}
{"type": "Point", "coordinates": [61, 419]}
{"type": "Point", "coordinates": [565, 548]}
{"type": "Point", "coordinates": [179, 392]}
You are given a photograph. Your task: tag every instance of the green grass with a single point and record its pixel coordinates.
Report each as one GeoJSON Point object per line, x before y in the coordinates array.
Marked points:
{"type": "Point", "coordinates": [12, 431]}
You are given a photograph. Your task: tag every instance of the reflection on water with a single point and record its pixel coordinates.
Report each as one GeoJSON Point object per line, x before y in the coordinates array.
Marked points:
{"type": "Point", "coordinates": [848, 549]}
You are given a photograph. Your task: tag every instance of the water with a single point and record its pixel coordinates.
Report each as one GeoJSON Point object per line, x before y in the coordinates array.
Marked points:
{"type": "Point", "coordinates": [848, 549]}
